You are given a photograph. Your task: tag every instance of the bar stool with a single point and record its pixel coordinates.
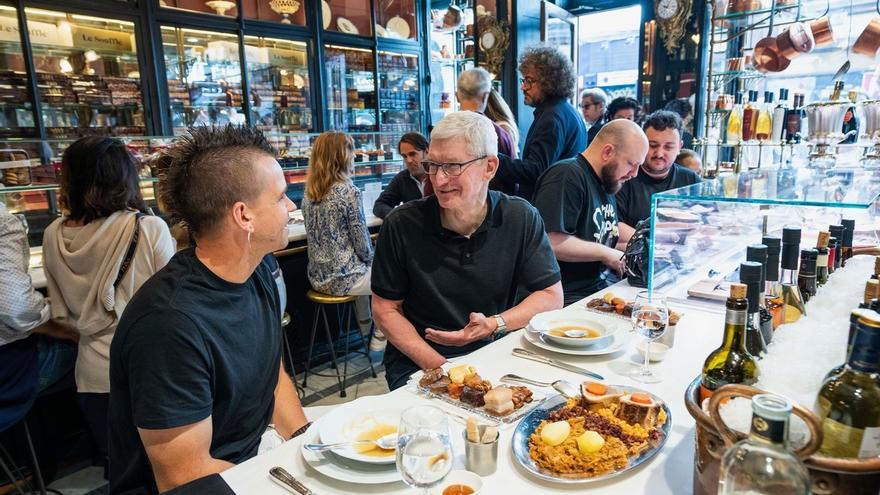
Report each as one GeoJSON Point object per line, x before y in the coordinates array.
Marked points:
{"type": "Point", "coordinates": [285, 320]}
{"type": "Point", "coordinates": [344, 318]}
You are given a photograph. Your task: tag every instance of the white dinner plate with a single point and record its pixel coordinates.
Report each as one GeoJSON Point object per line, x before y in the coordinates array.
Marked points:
{"type": "Point", "coordinates": [326, 13]}
{"type": "Point", "coordinates": [621, 340]}
{"type": "Point", "coordinates": [380, 31]}
{"type": "Point", "coordinates": [346, 26]}
{"type": "Point", "coordinates": [344, 424]}
{"type": "Point", "coordinates": [545, 322]}
{"type": "Point", "coordinates": [678, 215]}
{"type": "Point", "coordinates": [398, 25]}
{"type": "Point", "coordinates": [342, 469]}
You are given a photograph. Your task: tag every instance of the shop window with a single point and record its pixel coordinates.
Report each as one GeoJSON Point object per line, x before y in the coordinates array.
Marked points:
{"type": "Point", "coordinates": [16, 113]}
{"type": "Point", "coordinates": [283, 11]}
{"type": "Point", "coordinates": [608, 51]}
{"type": "Point", "coordinates": [350, 89]}
{"type": "Point", "coordinates": [278, 74]}
{"type": "Point", "coordinates": [396, 19]}
{"type": "Point", "coordinates": [347, 16]}
{"type": "Point", "coordinates": [217, 7]}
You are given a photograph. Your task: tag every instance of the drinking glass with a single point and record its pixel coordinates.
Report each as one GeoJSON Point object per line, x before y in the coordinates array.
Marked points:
{"type": "Point", "coordinates": [650, 316]}
{"type": "Point", "coordinates": [424, 449]}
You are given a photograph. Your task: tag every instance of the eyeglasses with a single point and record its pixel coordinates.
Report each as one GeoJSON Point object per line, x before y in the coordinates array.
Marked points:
{"type": "Point", "coordinates": [450, 169]}
{"type": "Point", "coordinates": [527, 82]}
{"type": "Point", "coordinates": [588, 105]}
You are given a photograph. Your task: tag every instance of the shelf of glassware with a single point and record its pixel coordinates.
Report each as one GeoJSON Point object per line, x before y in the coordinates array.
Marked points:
{"type": "Point", "coordinates": [700, 232]}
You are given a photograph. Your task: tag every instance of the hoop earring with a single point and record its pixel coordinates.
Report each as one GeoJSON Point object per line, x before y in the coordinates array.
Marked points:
{"type": "Point", "coordinates": [249, 237]}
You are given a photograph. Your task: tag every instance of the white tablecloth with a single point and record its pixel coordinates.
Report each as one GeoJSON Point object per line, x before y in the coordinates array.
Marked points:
{"type": "Point", "coordinates": [669, 472]}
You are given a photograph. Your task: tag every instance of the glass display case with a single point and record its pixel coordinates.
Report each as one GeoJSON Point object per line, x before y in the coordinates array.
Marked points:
{"type": "Point", "coordinates": [348, 16]}
{"type": "Point", "coordinates": [16, 111]}
{"type": "Point", "coordinates": [203, 74]}
{"type": "Point", "coordinates": [350, 90]}
{"type": "Point", "coordinates": [218, 7]}
{"type": "Point", "coordinates": [278, 75]}
{"type": "Point", "coordinates": [699, 233]}
{"type": "Point", "coordinates": [283, 11]}
{"type": "Point", "coordinates": [396, 19]}
{"type": "Point", "coordinates": [88, 74]}
{"type": "Point", "coordinates": [399, 98]}
{"type": "Point", "coordinates": [375, 161]}
{"type": "Point", "coordinates": [452, 52]}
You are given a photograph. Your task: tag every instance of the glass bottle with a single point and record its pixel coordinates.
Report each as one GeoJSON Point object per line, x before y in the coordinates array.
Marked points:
{"type": "Point", "coordinates": [763, 463]}
{"type": "Point", "coordinates": [849, 403]}
{"type": "Point", "coordinates": [773, 290]}
{"type": "Point", "coordinates": [735, 122]}
{"type": "Point", "coordinates": [730, 363]}
{"type": "Point", "coordinates": [758, 254]}
{"type": "Point", "coordinates": [794, 120]}
{"type": "Point", "coordinates": [822, 259]}
{"type": "Point", "coordinates": [750, 274]}
{"type": "Point", "coordinates": [832, 253]}
{"type": "Point", "coordinates": [793, 301]}
{"type": "Point", "coordinates": [778, 120]}
{"type": "Point", "coordinates": [854, 316]}
{"type": "Point", "coordinates": [763, 126]}
{"type": "Point", "coordinates": [750, 117]}
{"type": "Point", "coordinates": [837, 232]}
{"type": "Point", "coordinates": [807, 273]}
{"type": "Point", "coordinates": [849, 226]}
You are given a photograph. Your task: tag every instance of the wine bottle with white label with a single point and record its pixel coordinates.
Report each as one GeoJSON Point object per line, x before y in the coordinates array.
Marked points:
{"type": "Point", "coordinates": [849, 403]}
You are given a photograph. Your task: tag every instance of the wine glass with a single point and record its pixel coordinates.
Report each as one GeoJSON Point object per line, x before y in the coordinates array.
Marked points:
{"type": "Point", "coordinates": [650, 316]}
{"type": "Point", "coordinates": [424, 449]}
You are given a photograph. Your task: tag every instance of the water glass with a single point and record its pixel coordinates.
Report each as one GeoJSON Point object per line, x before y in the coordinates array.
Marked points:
{"type": "Point", "coordinates": [650, 316]}
{"type": "Point", "coordinates": [424, 449]}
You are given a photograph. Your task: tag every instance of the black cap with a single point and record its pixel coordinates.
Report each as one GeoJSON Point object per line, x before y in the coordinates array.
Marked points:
{"type": "Point", "coordinates": [738, 98]}
{"type": "Point", "coordinates": [808, 261]}
{"type": "Point", "coordinates": [849, 227]}
{"type": "Point", "coordinates": [753, 95]}
{"type": "Point", "coordinates": [791, 242]}
{"type": "Point", "coordinates": [758, 254]}
{"type": "Point", "coordinates": [783, 93]}
{"type": "Point", "coordinates": [774, 244]}
{"type": "Point", "coordinates": [768, 96]}
{"type": "Point", "coordinates": [791, 235]}
{"type": "Point", "coordinates": [750, 274]}
{"type": "Point", "coordinates": [836, 231]}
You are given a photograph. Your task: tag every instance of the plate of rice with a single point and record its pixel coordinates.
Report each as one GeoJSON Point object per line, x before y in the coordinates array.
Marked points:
{"type": "Point", "coordinates": [594, 437]}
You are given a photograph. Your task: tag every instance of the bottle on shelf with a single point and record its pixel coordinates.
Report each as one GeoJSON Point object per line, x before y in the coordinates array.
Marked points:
{"type": "Point", "coordinates": [758, 254]}
{"type": "Point", "coordinates": [750, 117]}
{"type": "Point", "coordinates": [838, 88]}
{"type": "Point", "coordinates": [778, 119]}
{"type": "Point", "coordinates": [793, 301]}
{"type": "Point", "coordinates": [837, 233]}
{"type": "Point", "coordinates": [854, 316]}
{"type": "Point", "coordinates": [730, 363]}
{"type": "Point", "coordinates": [773, 290]}
{"type": "Point", "coordinates": [822, 259]}
{"type": "Point", "coordinates": [795, 120]}
{"type": "Point", "coordinates": [849, 403]}
{"type": "Point", "coordinates": [750, 274]}
{"type": "Point", "coordinates": [763, 127]}
{"type": "Point", "coordinates": [735, 121]}
{"type": "Point", "coordinates": [849, 227]}
{"type": "Point", "coordinates": [763, 463]}
{"type": "Point", "coordinates": [807, 273]}
{"type": "Point", "coordinates": [851, 121]}
{"type": "Point", "coordinates": [832, 253]}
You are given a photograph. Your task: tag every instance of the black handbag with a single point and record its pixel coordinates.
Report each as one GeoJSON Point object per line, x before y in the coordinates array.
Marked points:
{"type": "Point", "coordinates": [636, 255]}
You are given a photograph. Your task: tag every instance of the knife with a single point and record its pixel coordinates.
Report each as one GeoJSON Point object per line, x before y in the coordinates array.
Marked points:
{"type": "Point", "coordinates": [526, 354]}
{"type": "Point", "coordinates": [281, 476]}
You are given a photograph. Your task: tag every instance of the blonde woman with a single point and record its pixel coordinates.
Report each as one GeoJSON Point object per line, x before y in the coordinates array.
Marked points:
{"type": "Point", "coordinates": [498, 112]}
{"type": "Point", "coordinates": [340, 252]}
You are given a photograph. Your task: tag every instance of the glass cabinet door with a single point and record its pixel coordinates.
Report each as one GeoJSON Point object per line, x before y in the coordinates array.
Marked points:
{"type": "Point", "coordinates": [88, 74]}
{"type": "Point", "coordinates": [203, 73]}
{"type": "Point", "coordinates": [399, 108]}
{"type": "Point", "coordinates": [348, 16]}
{"type": "Point", "coordinates": [283, 11]}
{"type": "Point", "coordinates": [350, 89]}
{"type": "Point", "coordinates": [396, 19]}
{"type": "Point", "coordinates": [279, 84]}
{"type": "Point", "coordinates": [16, 113]}
{"type": "Point", "coordinates": [219, 7]}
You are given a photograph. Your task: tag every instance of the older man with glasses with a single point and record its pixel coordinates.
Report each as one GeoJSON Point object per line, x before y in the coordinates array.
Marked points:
{"type": "Point", "coordinates": [592, 105]}
{"type": "Point", "coordinates": [457, 269]}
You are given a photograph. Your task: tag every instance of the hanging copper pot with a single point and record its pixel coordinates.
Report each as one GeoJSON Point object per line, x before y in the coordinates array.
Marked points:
{"type": "Point", "coordinates": [795, 40]}
{"type": "Point", "coordinates": [869, 41]}
{"type": "Point", "coordinates": [822, 32]}
{"type": "Point", "coordinates": [767, 58]}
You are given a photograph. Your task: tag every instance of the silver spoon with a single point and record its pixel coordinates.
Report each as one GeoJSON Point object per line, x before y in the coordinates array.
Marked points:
{"type": "Point", "coordinates": [387, 442]}
{"type": "Point", "coordinates": [563, 387]}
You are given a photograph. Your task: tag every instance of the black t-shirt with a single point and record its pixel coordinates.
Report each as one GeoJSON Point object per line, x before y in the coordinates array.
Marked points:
{"type": "Point", "coordinates": [442, 276]}
{"type": "Point", "coordinates": [571, 200]}
{"type": "Point", "coordinates": [634, 198]}
{"type": "Point", "coordinates": [188, 346]}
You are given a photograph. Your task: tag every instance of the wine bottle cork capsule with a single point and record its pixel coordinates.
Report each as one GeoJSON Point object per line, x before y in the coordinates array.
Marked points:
{"type": "Point", "coordinates": [823, 239]}
{"type": "Point", "coordinates": [871, 288]}
{"type": "Point", "coordinates": [738, 291]}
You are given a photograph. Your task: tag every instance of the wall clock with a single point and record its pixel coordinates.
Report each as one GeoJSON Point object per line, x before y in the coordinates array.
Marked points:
{"type": "Point", "coordinates": [672, 15]}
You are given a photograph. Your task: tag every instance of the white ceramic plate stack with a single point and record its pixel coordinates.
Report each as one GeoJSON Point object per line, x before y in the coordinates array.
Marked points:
{"type": "Point", "coordinates": [345, 463]}
{"type": "Point", "coordinates": [614, 333]}
{"type": "Point", "coordinates": [326, 13]}
{"type": "Point", "coordinates": [399, 26]}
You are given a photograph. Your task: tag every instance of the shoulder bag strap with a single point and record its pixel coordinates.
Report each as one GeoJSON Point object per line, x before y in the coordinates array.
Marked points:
{"type": "Point", "coordinates": [129, 255]}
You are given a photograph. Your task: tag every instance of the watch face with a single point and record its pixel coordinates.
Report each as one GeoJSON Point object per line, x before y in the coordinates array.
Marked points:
{"type": "Point", "coordinates": [667, 8]}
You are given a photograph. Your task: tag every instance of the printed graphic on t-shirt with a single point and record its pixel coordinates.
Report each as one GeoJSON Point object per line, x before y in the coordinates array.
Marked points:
{"type": "Point", "coordinates": [605, 220]}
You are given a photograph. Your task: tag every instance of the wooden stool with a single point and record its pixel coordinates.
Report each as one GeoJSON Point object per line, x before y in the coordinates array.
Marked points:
{"type": "Point", "coordinates": [285, 320]}
{"type": "Point", "coordinates": [321, 301]}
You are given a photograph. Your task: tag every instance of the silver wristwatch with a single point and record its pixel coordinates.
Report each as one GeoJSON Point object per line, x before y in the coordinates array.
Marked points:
{"type": "Point", "coordinates": [501, 328]}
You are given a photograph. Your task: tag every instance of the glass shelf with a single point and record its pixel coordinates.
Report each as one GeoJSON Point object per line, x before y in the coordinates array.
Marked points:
{"type": "Point", "coordinates": [279, 80]}
{"type": "Point", "coordinates": [351, 86]}
{"type": "Point", "coordinates": [746, 15]}
{"type": "Point", "coordinates": [740, 74]}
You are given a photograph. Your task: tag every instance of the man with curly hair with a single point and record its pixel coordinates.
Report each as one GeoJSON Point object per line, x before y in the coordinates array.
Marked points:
{"type": "Point", "coordinates": [195, 366]}
{"type": "Point", "coordinates": [558, 131]}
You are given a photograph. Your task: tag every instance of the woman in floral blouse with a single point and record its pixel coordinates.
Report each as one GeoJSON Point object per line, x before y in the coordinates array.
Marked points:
{"type": "Point", "coordinates": [340, 252]}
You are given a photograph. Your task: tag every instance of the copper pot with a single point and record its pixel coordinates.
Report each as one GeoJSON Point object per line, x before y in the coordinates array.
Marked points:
{"type": "Point", "coordinates": [822, 32]}
{"type": "Point", "coordinates": [767, 58]}
{"type": "Point", "coordinates": [869, 41]}
{"type": "Point", "coordinates": [795, 40]}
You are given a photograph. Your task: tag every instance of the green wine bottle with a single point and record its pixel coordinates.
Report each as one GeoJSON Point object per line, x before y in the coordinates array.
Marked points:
{"type": "Point", "coordinates": [730, 363]}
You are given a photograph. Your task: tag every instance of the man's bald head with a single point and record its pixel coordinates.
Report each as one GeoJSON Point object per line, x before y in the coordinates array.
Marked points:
{"type": "Point", "coordinates": [616, 153]}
